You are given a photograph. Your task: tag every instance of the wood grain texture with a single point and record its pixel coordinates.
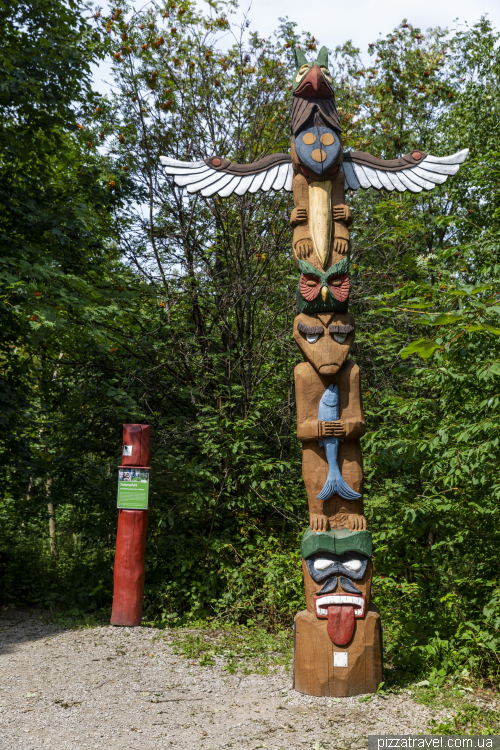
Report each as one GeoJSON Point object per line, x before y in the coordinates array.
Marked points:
{"type": "Point", "coordinates": [325, 364]}
{"type": "Point", "coordinates": [314, 673]}
{"type": "Point", "coordinates": [320, 218]}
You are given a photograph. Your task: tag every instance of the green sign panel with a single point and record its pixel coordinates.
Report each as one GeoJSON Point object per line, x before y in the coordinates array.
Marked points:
{"type": "Point", "coordinates": [133, 488]}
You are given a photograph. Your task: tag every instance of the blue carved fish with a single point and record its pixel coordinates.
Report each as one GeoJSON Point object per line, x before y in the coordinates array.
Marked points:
{"type": "Point", "coordinates": [329, 412]}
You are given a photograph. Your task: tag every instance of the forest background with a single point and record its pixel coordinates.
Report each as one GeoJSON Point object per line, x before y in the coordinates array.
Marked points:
{"type": "Point", "coordinates": [124, 299]}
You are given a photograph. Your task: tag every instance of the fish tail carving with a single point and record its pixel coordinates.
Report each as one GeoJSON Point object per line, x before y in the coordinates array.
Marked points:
{"type": "Point", "coordinates": [337, 485]}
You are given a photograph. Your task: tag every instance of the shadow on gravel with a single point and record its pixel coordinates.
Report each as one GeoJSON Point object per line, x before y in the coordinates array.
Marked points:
{"type": "Point", "coordinates": [19, 626]}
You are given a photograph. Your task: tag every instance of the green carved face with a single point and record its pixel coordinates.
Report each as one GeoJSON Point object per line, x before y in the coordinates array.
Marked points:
{"type": "Point", "coordinates": [303, 67]}
{"type": "Point", "coordinates": [323, 291]}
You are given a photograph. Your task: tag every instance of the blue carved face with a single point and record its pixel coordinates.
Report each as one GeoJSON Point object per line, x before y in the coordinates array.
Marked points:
{"type": "Point", "coordinates": [324, 564]}
{"type": "Point", "coordinates": [318, 149]}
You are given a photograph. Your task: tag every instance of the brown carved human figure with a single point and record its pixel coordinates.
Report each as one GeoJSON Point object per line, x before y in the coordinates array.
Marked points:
{"type": "Point", "coordinates": [320, 218]}
{"type": "Point", "coordinates": [331, 336]}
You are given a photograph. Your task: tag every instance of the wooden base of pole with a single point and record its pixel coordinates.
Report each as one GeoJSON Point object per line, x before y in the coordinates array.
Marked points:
{"type": "Point", "coordinates": [130, 570]}
{"type": "Point", "coordinates": [317, 659]}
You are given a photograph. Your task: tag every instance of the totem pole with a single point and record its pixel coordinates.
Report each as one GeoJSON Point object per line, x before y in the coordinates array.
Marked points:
{"type": "Point", "coordinates": [338, 638]}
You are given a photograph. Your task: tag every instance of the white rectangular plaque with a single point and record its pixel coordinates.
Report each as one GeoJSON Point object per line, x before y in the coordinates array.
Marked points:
{"type": "Point", "coordinates": [340, 658]}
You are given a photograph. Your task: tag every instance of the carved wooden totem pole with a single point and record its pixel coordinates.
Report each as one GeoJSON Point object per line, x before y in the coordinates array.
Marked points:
{"type": "Point", "coordinates": [338, 638]}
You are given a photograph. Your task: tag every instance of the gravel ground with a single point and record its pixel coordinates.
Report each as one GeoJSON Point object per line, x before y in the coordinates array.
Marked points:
{"type": "Point", "coordinates": [107, 687]}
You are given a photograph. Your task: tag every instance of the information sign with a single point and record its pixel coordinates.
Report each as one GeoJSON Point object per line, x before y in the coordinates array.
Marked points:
{"type": "Point", "coordinates": [133, 488]}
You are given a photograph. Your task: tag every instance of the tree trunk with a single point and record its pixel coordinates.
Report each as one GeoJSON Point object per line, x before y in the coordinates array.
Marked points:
{"type": "Point", "coordinates": [52, 520]}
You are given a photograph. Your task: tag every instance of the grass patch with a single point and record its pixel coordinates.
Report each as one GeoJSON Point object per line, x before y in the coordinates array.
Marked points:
{"type": "Point", "coordinates": [469, 719]}
{"type": "Point", "coordinates": [472, 711]}
{"type": "Point", "coordinates": [74, 619]}
{"type": "Point", "coordinates": [238, 648]}
{"type": "Point", "coordinates": [472, 708]}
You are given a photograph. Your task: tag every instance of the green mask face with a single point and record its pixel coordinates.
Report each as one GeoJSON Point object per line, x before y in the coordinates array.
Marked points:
{"type": "Point", "coordinates": [303, 67]}
{"type": "Point", "coordinates": [323, 291]}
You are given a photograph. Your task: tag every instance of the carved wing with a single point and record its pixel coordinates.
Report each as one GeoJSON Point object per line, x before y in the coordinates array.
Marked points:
{"type": "Point", "coordinates": [415, 172]}
{"type": "Point", "coordinates": [217, 175]}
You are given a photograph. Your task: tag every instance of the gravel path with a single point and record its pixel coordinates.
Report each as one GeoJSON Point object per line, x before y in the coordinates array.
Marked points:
{"type": "Point", "coordinates": [124, 688]}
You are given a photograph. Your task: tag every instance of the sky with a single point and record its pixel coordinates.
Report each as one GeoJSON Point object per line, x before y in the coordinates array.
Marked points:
{"type": "Point", "coordinates": [334, 22]}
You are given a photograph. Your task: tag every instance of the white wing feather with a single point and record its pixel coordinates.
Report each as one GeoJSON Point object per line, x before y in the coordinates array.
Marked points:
{"type": "Point", "coordinates": [457, 158]}
{"type": "Point", "coordinates": [363, 179]}
{"type": "Point", "coordinates": [198, 176]}
{"type": "Point", "coordinates": [168, 162]}
{"type": "Point", "coordinates": [408, 182]}
{"type": "Point", "coordinates": [385, 180]}
{"type": "Point", "coordinates": [445, 169]}
{"type": "Point", "coordinates": [216, 187]}
{"type": "Point", "coordinates": [422, 182]}
{"type": "Point", "coordinates": [192, 177]}
{"type": "Point", "coordinates": [205, 182]}
{"type": "Point", "coordinates": [270, 177]}
{"type": "Point", "coordinates": [373, 177]}
{"type": "Point", "coordinates": [257, 183]}
{"type": "Point", "coordinates": [244, 184]}
{"type": "Point", "coordinates": [226, 191]}
{"type": "Point", "coordinates": [431, 171]}
{"type": "Point", "coordinates": [281, 177]}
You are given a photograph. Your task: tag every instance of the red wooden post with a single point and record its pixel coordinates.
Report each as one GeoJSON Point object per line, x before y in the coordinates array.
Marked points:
{"type": "Point", "coordinates": [130, 571]}
{"type": "Point", "coordinates": [136, 439]}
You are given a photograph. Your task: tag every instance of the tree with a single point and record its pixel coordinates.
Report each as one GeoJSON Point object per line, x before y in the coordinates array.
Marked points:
{"type": "Point", "coordinates": [433, 448]}
{"type": "Point", "coordinates": [56, 228]}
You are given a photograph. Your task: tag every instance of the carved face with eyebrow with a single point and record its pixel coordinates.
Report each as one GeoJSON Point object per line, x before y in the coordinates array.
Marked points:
{"type": "Point", "coordinates": [324, 340]}
{"type": "Point", "coordinates": [338, 588]}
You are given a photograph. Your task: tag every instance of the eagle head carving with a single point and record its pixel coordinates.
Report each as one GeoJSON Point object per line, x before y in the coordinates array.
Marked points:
{"type": "Point", "coordinates": [312, 80]}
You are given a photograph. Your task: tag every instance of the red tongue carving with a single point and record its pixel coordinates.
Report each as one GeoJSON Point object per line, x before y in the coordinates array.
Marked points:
{"type": "Point", "coordinates": [340, 623]}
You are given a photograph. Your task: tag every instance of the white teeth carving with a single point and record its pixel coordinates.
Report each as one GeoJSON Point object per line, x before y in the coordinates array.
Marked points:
{"type": "Point", "coordinates": [339, 599]}
{"type": "Point", "coordinates": [322, 603]}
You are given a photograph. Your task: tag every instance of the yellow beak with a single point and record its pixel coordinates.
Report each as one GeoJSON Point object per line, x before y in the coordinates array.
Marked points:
{"type": "Point", "coordinates": [324, 293]}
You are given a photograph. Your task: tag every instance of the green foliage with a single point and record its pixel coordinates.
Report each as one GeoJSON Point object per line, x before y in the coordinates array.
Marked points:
{"type": "Point", "coordinates": [433, 446]}
{"type": "Point", "coordinates": [47, 48]}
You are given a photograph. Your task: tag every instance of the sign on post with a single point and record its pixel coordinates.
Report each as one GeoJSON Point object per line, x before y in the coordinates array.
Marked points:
{"type": "Point", "coordinates": [133, 488]}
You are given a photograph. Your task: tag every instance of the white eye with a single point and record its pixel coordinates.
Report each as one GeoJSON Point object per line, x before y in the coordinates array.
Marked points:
{"type": "Point", "coordinates": [353, 565]}
{"type": "Point", "coordinates": [322, 564]}
{"type": "Point", "coordinates": [326, 73]}
{"type": "Point", "coordinates": [340, 337]}
{"type": "Point", "coordinates": [302, 71]}
{"type": "Point", "coordinates": [311, 338]}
